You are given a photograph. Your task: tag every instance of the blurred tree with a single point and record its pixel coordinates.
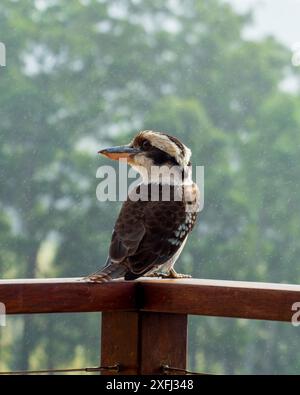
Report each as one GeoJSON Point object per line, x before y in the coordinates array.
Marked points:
{"type": "Point", "coordinates": [87, 72]}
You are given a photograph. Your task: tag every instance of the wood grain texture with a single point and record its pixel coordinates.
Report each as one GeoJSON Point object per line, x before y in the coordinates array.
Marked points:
{"type": "Point", "coordinates": [65, 295]}
{"type": "Point", "coordinates": [221, 298]}
{"type": "Point", "coordinates": [120, 342]}
{"type": "Point", "coordinates": [163, 341]}
{"type": "Point", "coordinates": [142, 342]}
{"type": "Point", "coordinates": [201, 297]}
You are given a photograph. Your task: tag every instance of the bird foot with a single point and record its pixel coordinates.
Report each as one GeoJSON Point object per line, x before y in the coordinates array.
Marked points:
{"type": "Point", "coordinates": [94, 279]}
{"type": "Point", "coordinates": [155, 274]}
{"type": "Point", "coordinates": [171, 274]}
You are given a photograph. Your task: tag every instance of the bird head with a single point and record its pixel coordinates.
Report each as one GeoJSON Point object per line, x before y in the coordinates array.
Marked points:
{"type": "Point", "coordinates": [152, 149]}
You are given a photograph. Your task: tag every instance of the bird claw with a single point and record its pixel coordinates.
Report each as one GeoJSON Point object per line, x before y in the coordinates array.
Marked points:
{"type": "Point", "coordinates": [155, 274]}
{"type": "Point", "coordinates": [171, 274]}
{"type": "Point", "coordinates": [93, 279]}
{"type": "Point", "coordinates": [181, 275]}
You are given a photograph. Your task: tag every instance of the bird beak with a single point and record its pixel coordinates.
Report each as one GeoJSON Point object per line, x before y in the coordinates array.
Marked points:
{"type": "Point", "coordinates": [117, 153]}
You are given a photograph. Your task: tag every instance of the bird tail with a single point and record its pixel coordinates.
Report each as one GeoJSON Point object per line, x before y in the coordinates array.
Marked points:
{"type": "Point", "coordinates": [109, 272]}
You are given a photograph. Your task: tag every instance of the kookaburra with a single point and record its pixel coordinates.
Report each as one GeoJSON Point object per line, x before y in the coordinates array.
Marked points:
{"type": "Point", "coordinates": [152, 228]}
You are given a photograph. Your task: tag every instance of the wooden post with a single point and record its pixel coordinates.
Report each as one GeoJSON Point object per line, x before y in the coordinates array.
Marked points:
{"type": "Point", "coordinates": [163, 339]}
{"type": "Point", "coordinates": [119, 341]}
{"type": "Point", "coordinates": [142, 342]}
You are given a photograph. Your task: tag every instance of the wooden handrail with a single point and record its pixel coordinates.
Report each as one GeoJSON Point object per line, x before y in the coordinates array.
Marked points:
{"type": "Point", "coordinates": [65, 295]}
{"type": "Point", "coordinates": [201, 297]}
{"type": "Point", "coordinates": [236, 299]}
{"type": "Point", "coordinates": [142, 320]}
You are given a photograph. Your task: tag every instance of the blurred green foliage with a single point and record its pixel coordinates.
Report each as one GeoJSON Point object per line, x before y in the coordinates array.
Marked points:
{"type": "Point", "coordinates": [87, 73]}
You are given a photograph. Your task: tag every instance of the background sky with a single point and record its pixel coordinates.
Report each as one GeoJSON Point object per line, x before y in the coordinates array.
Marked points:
{"type": "Point", "coordinates": [278, 17]}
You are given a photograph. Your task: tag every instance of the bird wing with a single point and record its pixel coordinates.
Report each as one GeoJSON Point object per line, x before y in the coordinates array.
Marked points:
{"type": "Point", "coordinates": [127, 235]}
{"type": "Point", "coordinates": [146, 234]}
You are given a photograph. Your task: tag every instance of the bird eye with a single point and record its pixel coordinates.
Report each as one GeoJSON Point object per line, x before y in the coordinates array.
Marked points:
{"type": "Point", "coordinates": [146, 145]}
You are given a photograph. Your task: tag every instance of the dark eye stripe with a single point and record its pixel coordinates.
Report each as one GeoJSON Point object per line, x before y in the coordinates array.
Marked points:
{"type": "Point", "coordinates": [140, 139]}
{"type": "Point", "coordinates": [160, 157]}
{"type": "Point", "coordinates": [146, 145]}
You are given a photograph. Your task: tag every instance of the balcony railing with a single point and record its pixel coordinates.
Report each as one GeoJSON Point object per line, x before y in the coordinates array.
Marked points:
{"type": "Point", "coordinates": [144, 322]}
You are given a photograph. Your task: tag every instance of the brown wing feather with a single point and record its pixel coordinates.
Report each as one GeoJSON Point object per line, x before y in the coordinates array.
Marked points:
{"type": "Point", "coordinates": [128, 233]}
{"type": "Point", "coordinates": [142, 234]}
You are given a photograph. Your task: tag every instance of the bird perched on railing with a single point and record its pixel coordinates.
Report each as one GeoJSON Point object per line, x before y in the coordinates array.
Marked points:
{"type": "Point", "coordinates": [155, 220]}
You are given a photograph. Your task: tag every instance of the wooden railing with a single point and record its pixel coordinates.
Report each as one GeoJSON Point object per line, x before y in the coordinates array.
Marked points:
{"type": "Point", "coordinates": [144, 322]}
